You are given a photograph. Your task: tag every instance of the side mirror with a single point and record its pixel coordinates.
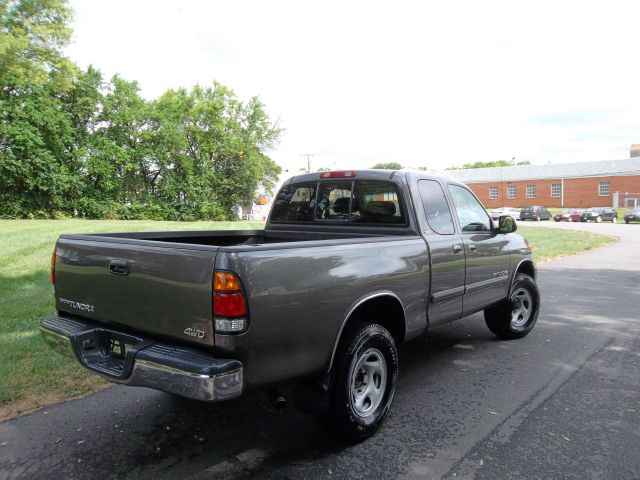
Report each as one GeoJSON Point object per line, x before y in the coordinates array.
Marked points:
{"type": "Point", "coordinates": [506, 224]}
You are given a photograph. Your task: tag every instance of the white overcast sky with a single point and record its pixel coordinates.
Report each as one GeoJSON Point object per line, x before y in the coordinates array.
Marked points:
{"type": "Point", "coordinates": [426, 83]}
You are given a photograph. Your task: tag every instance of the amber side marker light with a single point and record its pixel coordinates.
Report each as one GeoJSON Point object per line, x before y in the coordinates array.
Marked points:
{"type": "Point", "coordinates": [52, 271]}
{"type": "Point", "coordinates": [229, 304]}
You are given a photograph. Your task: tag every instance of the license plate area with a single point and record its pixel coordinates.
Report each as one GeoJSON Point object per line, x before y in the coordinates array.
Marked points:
{"type": "Point", "coordinates": [107, 352]}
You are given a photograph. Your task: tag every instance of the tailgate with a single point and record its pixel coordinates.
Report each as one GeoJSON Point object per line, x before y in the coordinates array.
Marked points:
{"type": "Point", "coordinates": [162, 290]}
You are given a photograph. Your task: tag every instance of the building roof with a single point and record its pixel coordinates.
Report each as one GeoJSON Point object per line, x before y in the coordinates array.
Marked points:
{"type": "Point", "coordinates": [606, 168]}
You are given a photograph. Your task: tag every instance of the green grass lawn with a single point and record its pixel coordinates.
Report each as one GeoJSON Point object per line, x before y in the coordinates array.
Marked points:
{"type": "Point", "coordinates": [549, 243]}
{"type": "Point", "coordinates": [31, 374]}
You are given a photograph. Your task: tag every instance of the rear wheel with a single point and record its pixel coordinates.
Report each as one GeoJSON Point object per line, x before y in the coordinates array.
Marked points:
{"type": "Point", "coordinates": [516, 316]}
{"type": "Point", "coordinates": [364, 380]}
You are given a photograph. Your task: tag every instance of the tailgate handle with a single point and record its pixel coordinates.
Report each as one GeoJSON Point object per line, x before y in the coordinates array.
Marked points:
{"type": "Point", "coordinates": [119, 267]}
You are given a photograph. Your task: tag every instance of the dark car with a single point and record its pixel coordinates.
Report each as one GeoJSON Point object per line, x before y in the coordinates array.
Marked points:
{"type": "Point", "coordinates": [534, 212]}
{"type": "Point", "coordinates": [600, 214]}
{"type": "Point", "coordinates": [568, 216]}
{"type": "Point", "coordinates": [632, 216]}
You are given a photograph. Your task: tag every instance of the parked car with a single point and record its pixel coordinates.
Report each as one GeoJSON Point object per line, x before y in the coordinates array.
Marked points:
{"type": "Point", "coordinates": [512, 212]}
{"type": "Point", "coordinates": [568, 216]}
{"type": "Point", "coordinates": [599, 214]}
{"type": "Point", "coordinates": [349, 265]}
{"type": "Point", "coordinates": [534, 212]}
{"type": "Point", "coordinates": [632, 216]}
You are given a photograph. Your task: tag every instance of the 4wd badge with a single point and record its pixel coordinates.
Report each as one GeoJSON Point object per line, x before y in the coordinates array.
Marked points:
{"type": "Point", "coordinates": [192, 332]}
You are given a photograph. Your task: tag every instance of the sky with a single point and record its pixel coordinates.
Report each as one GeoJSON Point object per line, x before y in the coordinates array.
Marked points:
{"type": "Point", "coordinates": [428, 84]}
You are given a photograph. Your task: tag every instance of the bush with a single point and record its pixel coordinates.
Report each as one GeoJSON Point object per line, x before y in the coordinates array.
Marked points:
{"type": "Point", "coordinates": [212, 211]}
{"type": "Point", "coordinates": [97, 209]}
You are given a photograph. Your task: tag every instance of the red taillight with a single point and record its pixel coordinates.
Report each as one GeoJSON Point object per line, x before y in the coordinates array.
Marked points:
{"type": "Point", "coordinates": [229, 305]}
{"type": "Point", "coordinates": [52, 271]}
{"type": "Point", "coordinates": [349, 173]}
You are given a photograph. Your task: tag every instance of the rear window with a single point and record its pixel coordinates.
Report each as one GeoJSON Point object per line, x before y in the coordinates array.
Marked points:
{"type": "Point", "coordinates": [295, 203]}
{"type": "Point", "coordinates": [356, 202]}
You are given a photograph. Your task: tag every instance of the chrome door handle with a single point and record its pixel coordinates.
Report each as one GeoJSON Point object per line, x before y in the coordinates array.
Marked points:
{"type": "Point", "coordinates": [472, 249]}
{"type": "Point", "coordinates": [457, 249]}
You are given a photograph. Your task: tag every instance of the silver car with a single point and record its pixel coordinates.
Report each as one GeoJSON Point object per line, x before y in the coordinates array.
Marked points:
{"type": "Point", "coordinates": [512, 212]}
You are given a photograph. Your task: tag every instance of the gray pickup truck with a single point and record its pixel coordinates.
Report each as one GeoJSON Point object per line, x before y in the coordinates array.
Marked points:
{"type": "Point", "coordinates": [349, 265]}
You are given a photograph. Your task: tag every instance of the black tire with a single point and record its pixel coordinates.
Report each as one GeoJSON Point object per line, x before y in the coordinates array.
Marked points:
{"type": "Point", "coordinates": [626, 221]}
{"type": "Point", "coordinates": [515, 316]}
{"type": "Point", "coordinates": [363, 344]}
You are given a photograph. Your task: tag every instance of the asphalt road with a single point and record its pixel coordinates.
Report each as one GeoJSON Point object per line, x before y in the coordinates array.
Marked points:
{"type": "Point", "coordinates": [562, 402]}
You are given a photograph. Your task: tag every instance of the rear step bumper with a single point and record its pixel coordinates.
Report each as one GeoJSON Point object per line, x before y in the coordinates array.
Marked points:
{"type": "Point", "coordinates": [138, 361]}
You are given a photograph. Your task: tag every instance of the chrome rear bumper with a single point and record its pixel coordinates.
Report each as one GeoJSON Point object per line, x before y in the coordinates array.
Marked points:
{"type": "Point", "coordinates": [136, 361]}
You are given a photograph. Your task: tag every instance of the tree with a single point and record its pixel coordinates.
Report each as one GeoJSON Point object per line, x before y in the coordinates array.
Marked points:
{"type": "Point", "coordinates": [497, 163]}
{"type": "Point", "coordinates": [37, 162]}
{"type": "Point", "coordinates": [72, 143]}
{"type": "Point", "coordinates": [388, 166]}
{"type": "Point", "coordinates": [32, 35]}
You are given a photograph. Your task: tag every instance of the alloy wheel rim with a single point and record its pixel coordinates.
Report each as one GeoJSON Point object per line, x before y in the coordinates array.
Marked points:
{"type": "Point", "coordinates": [522, 307]}
{"type": "Point", "coordinates": [367, 382]}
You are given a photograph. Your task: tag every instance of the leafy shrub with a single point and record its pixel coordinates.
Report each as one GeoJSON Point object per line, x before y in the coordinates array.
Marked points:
{"type": "Point", "coordinates": [212, 211]}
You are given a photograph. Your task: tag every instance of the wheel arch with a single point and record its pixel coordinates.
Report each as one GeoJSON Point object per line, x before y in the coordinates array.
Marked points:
{"type": "Point", "coordinates": [525, 266]}
{"type": "Point", "coordinates": [384, 308]}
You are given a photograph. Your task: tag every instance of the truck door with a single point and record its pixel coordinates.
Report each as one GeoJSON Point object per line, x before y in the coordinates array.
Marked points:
{"type": "Point", "coordinates": [446, 253]}
{"type": "Point", "coordinates": [486, 253]}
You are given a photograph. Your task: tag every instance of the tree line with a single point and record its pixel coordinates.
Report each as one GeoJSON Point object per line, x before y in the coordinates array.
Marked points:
{"type": "Point", "coordinates": [75, 144]}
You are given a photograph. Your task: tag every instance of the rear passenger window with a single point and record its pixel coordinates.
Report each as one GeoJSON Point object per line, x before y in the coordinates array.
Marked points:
{"type": "Point", "coordinates": [436, 207]}
{"type": "Point", "coordinates": [295, 203]}
{"type": "Point", "coordinates": [334, 201]}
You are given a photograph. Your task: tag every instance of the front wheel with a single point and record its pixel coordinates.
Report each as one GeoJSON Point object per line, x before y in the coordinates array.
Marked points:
{"type": "Point", "coordinates": [364, 380]}
{"type": "Point", "coordinates": [515, 316]}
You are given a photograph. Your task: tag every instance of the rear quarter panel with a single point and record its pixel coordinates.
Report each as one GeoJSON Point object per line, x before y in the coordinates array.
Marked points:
{"type": "Point", "coordinates": [300, 295]}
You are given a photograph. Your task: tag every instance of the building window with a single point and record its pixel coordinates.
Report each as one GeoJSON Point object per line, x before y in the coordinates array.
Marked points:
{"type": "Point", "coordinates": [531, 191]}
{"type": "Point", "coordinates": [511, 191]}
{"type": "Point", "coordinates": [493, 193]}
{"type": "Point", "coordinates": [604, 189]}
{"type": "Point", "coordinates": [556, 190]}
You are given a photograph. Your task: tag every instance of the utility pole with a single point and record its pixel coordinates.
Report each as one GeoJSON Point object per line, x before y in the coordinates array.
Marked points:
{"type": "Point", "coordinates": [308, 155]}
